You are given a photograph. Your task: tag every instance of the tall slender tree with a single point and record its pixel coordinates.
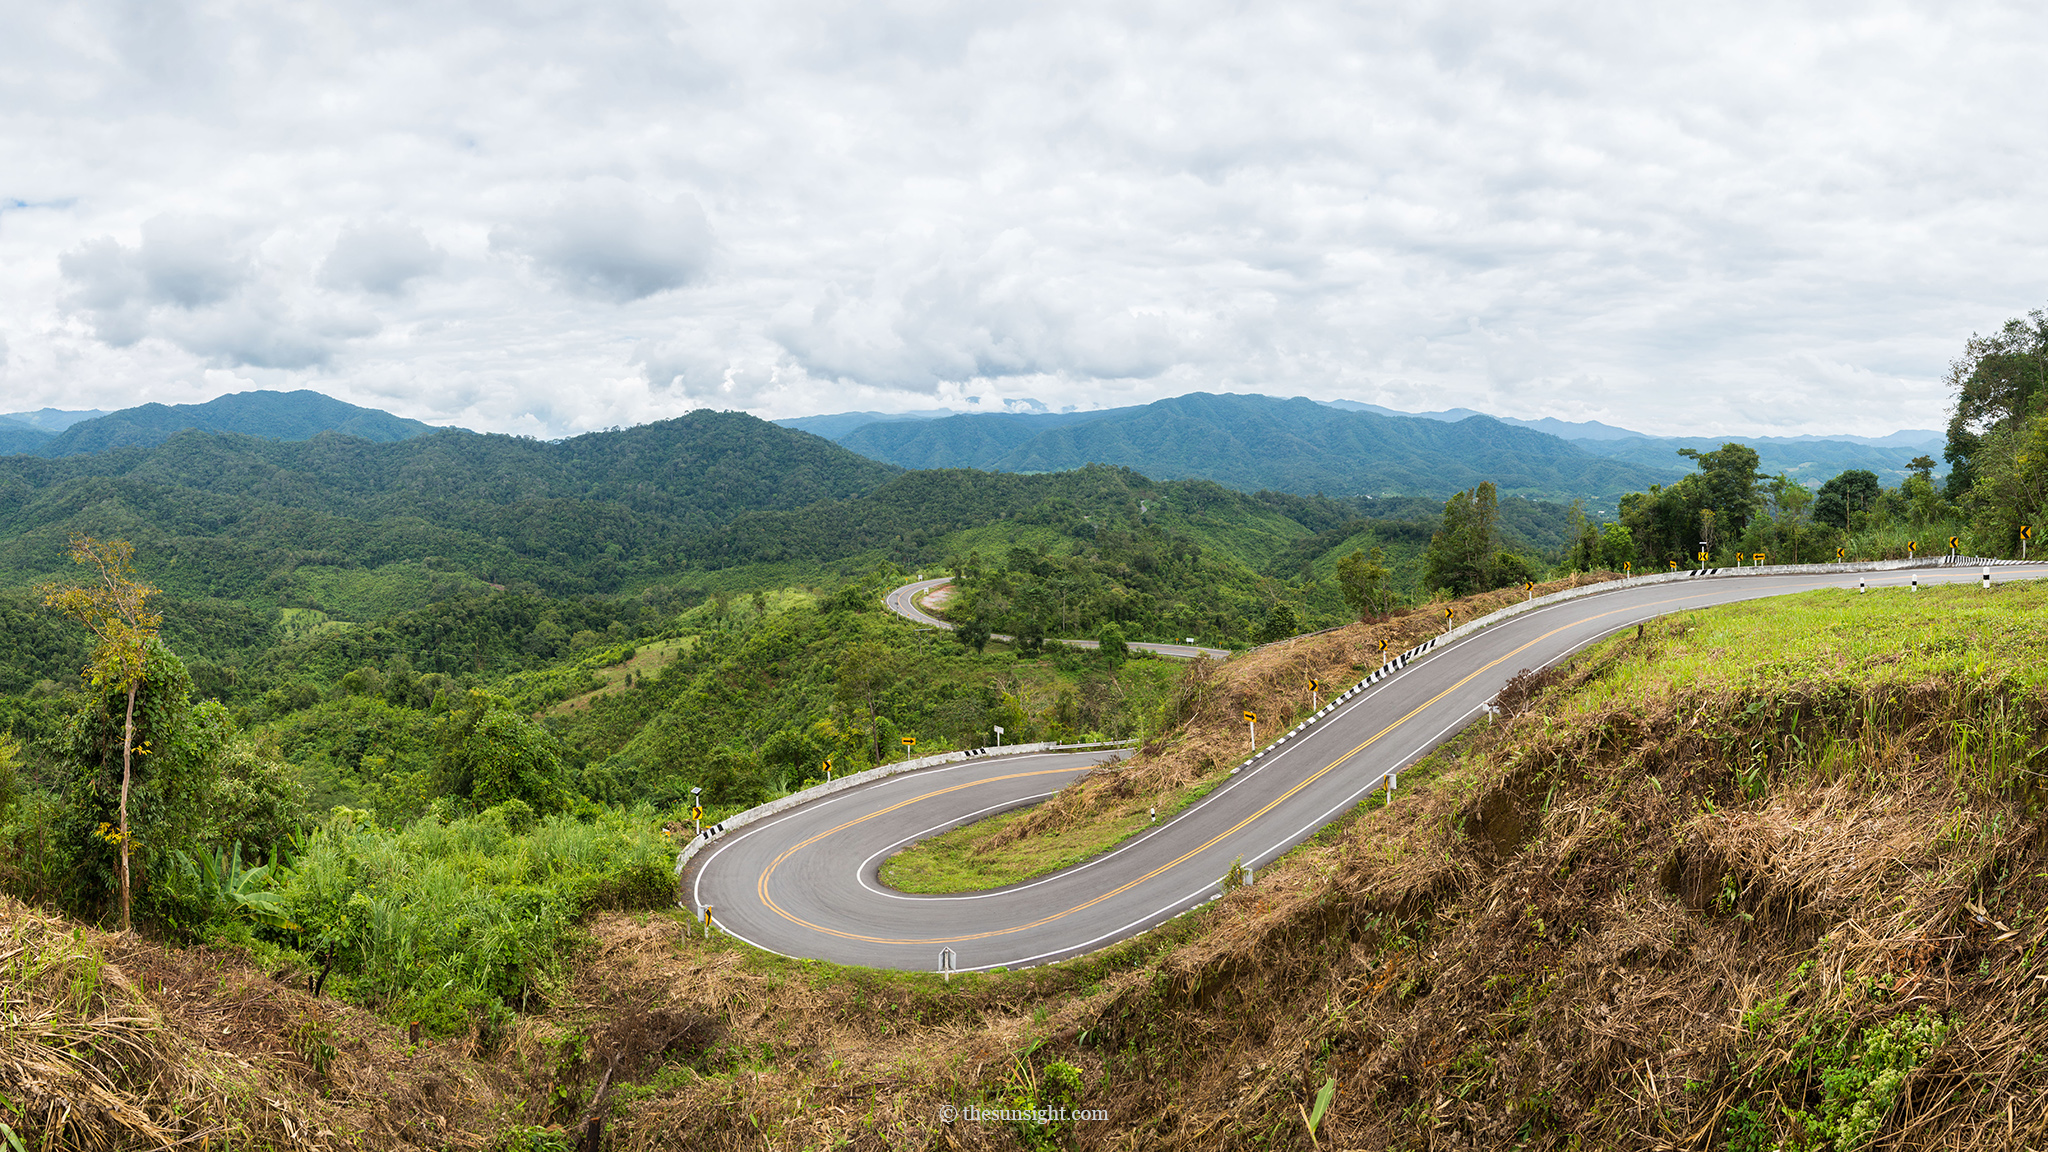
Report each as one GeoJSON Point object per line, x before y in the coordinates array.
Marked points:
{"type": "Point", "coordinates": [114, 605]}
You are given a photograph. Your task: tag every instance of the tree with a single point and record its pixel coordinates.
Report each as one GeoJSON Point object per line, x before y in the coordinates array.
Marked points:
{"type": "Point", "coordinates": [1362, 578]}
{"type": "Point", "coordinates": [1281, 623]}
{"type": "Point", "coordinates": [1511, 569]}
{"type": "Point", "coordinates": [1728, 476]}
{"type": "Point", "coordinates": [1585, 545]}
{"type": "Point", "coordinates": [2012, 482]}
{"type": "Point", "coordinates": [1111, 643]}
{"type": "Point", "coordinates": [1462, 549]}
{"type": "Point", "coordinates": [2000, 381]}
{"type": "Point", "coordinates": [115, 607]}
{"type": "Point", "coordinates": [1851, 492]}
{"type": "Point", "coordinates": [974, 634]}
{"type": "Point", "coordinates": [490, 753]}
{"type": "Point", "coordinates": [1617, 547]}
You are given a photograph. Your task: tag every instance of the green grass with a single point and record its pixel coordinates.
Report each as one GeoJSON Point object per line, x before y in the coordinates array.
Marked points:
{"type": "Point", "coordinates": [1885, 636]}
{"type": "Point", "coordinates": [950, 862]}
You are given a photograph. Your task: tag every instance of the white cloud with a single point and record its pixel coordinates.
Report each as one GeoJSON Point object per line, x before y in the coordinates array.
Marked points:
{"type": "Point", "coordinates": [1734, 218]}
{"type": "Point", "coordinates": [611, 241]}
{"type": "Point", "coordinates": [379, 257]}
{"type": "Point", "coordinates": [192, 282]}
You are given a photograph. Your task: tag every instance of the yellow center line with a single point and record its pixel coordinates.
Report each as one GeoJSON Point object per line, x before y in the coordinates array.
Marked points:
{"type": "Point", "coordinates": [761, 885]}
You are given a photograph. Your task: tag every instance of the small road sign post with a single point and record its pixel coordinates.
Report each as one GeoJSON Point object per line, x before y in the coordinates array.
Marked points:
{"type": "Point", "coordinates": [1314, 698]}
{"type": "Point", "coordinates": [1628, 568]}
{"type": "Point", "coordinates": [2026, 534]}
{"type": "Point", "coordinates": [909, 742]}
{"type": "Point", "coordinates": [948, 964]}
{"type": "Point", "coordinates": [828, 771]}
{"type": "Point", "coordinates": [1674, 565]}
{"type": "Point", "coordinates": [1529, 588]}
{"type": "Point", "coordinates": [1703, 558]}
{"type": "Point", "coordinates": [1759, 560]}
{"type": "Point", "coordinates": [999, 735]}
{"type": "Point", "coordinates": [1912, 549]}
{"type": "Point", "coordinates": [1955, 546]}
{"type": "Point", "coordinates": [696, 812]}
{"type": "Point", "coordinates": [1251, 724]}
{"type": "Point", "coordinates": [1447, 618]}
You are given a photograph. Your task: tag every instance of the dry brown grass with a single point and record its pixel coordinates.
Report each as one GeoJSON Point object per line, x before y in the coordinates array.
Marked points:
{"type": "Point", "coordinates": [113, 1043]}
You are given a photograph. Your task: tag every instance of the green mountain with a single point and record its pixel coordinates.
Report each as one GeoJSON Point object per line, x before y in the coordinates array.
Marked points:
{"type": "Point", "coordinates": [245, 517]}
{"type": "Point", "coordinates": [1259, 442]}
{"type": "Point", "coordinates": [299, 415]}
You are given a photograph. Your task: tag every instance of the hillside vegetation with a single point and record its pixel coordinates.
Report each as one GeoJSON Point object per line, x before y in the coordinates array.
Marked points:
{"type": "Point", "coordinates": [592, 514]}
{"type": "Point", "coordinates": [1728, 883]}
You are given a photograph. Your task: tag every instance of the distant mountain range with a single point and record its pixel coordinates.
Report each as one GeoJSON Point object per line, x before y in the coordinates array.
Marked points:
{"type": "Point", "coordinates": [1341, 448]}
{"type": "Point", "coordinates": [1259, 442]}
{"type": "Point", "coordinates": [299, 415]}
{"type": "Point", "coordinates": [1395, 459]}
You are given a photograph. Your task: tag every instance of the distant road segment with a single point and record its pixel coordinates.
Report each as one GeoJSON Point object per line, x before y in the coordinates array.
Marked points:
{"type": "Point", "coordinates": [903, 602]}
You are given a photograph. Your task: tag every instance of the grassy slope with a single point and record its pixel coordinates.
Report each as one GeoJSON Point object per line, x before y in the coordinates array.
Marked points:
{"type": "Point", "coordinates": [1733, 884]}
{"type": "Point", "coordinates": [1637, 913]}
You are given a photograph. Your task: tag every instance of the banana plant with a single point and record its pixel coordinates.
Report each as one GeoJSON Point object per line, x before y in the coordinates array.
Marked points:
{"type": "Point", "coordinates": [220, 878]}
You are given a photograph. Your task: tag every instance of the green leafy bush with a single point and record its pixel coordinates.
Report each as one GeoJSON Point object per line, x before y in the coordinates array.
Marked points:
{"type": "Point", "coordinates": [449, 923]}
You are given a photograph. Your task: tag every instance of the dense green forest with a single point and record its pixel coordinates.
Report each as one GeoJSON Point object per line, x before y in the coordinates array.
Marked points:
{"type": "Point", "coordinates": [236, 516]}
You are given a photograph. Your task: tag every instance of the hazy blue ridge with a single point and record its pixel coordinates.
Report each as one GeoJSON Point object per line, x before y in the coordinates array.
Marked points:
{"type": "Point", "coordinates": [299, 415]}
{"type": "Point", "coordinates": [1260, 442]}
{"type": "Point", "coordinates": [18, 437]}
{"type": "Point", "coordinates": [836, 425]}
{"type": "Point", "coordinates": [52, 420]}
{"type": "Point", "coordinates": [1813, 462]}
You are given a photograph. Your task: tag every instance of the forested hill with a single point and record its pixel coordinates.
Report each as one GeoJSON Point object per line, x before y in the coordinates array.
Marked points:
{"type": "Point", "coordinates": [908, 519]}
{"type": "Point", "coordinates": [1259, 442]}
{"type": "Point", "coordinates": [585, 514]}
{"type": "Point", "coordinates": [299, 415]}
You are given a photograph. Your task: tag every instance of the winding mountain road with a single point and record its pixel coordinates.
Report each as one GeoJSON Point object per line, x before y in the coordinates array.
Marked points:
{"type": "Point", "coordinates": [903, 602]}
{"type": "Point", "coordinates": [804, 882]}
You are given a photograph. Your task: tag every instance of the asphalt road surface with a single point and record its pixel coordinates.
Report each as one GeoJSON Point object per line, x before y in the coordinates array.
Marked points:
{"type": "Point", "coordinates": [903, 602]}
{"type": "Point", "coordinates": [804, 883]}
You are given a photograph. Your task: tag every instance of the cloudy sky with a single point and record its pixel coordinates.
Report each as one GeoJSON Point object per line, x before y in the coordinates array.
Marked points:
{"type": "Point", "coordinates": [547, 217]}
